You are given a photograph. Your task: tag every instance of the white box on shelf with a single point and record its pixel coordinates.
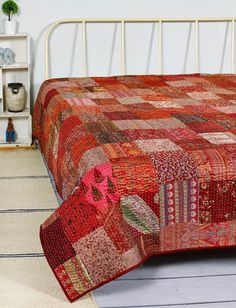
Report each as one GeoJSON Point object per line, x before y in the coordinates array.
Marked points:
{"type": "Point", "coordinates": [19, 44]}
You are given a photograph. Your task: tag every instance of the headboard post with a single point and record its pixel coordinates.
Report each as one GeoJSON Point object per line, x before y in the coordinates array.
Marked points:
{"type": "Point", "coordinates": [232, 45]}
{"type": "Point", "coordinates": [196, 46]}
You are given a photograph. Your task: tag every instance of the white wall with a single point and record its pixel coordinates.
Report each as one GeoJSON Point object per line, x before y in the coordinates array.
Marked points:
{"type": "Point", "coordinates": [103, 40]}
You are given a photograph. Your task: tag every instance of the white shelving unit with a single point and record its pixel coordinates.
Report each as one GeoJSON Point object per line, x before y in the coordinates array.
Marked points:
{"type": "Point", "coordinates": [18, 72]}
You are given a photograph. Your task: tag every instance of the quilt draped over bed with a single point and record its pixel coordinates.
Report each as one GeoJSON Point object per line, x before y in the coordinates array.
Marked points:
{"type": "Point", "coordinates": [145, 165]}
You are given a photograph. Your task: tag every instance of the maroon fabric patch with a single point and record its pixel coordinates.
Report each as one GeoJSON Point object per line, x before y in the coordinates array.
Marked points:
{"type": "Point", "coordinates": [216, 199]}
{"type": "Point", "coordinates": [76, 221]}
{"type": "Point", "coordinates": [49, 96]}
{"type": "Point", "coordinates": [55, 244]}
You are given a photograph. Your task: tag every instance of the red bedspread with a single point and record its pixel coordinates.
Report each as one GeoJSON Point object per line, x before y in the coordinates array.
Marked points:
{"type": "Point", "coordinates": [145, 165]}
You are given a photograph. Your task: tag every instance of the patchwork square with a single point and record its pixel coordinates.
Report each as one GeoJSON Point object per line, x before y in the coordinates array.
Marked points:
{"type": "Point", "coordinates": [194, 144]}
{"type": "Point", "coordinates": [157, 145]}
{"type": "Point", "coordinates": [156, 97]}
{"type": "Point", "coordinates": [218, 90]}
{"type": "Point", "coordinates": [100, 95]}
{"type": "Point", "coordinates": [134, 174]}
{"type": "Point", "coordinates": [219, 138]}
{"type": "Point", "coordinates": [152, 114]}
{"type": "Point", "coordinates": [178, 202]}
{"type": "Point", "coordinates": [190, 236]}
{"type": "Point", "coordinates": [132, 257]}
{"type": "Point", "coordinates": [203, 95]}
{"type": "Point", "coordinates": [206, 127]}
{"type": "Point", "coordinates": [105, 101]}
{"type": "Point", "coordinates": [180, 83]}
{"type": "Point", "coordinates": [165, 104]}
{"type": "Point", "coordinates": [113, 108]}
{"type": "Point", "coordinates": [187, 102]}
{"type": "Point", "coordinates": [132, 124]}
{"type": "Point", "coordinates": [216, 163]}
{"type": "Point", "coordinates": [95, 128]}
{"type": "Point", "coordinates": [188, 119]}
{"type": "Point", "coordinates": [197, 80]}
{"type": "Point", "coordinates": [114, 231]}
{"type": "Point", "coordinates": [130, 100]}
{"type": "Point", "coordinates": [122, 92]}
{"type": "Point", "coordinates": [228, 123]}
{"type": "Point", "coordinates": [98, 246]}
{"type": "Point", "coordinates": [139, 216]}
{"type": "Point", "coordinates": [76, 101]}
{"type": "Point", "coordinates": [73, 221]}
{"type": "Point", "coordinates": [143, 106]}
{"type": "Point", "coordinates": [117, 150]}
{"type": "Point", "coordinates": [76, 274]}
{"type": "Point", "coordinates": [215, 201]}
{"type": "Point", "coordinates": [167, 123]}
{"type": "Point", "coordinates": [90, 159]}
{"type": "Point", "coordinates": [227, 109]}
{"type": "Point", "coordinates": [66, 283]}
{"type": "Point", "coordinates": [120, 115]}
{"type": "Point", "coordinates": [134, 134]}
{"type": "Point", "coordinates": [143, 91]}
{"type": "Point", "coordinates": [171, 92]}
{"type": "Point", "coordinates": [178, 134]}
{"type": "Point", "coordinates": [173, 165]}
{"type": "Point", "coordinates": [91, 116]}
{"type": "Point", "coordinates": [56, 244]}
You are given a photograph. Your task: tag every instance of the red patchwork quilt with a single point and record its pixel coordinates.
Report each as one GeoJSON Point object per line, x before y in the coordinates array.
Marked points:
{"type": "Point", "coordinates": [145, 165]}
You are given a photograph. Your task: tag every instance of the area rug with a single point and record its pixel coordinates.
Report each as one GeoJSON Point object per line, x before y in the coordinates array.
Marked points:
{"type": "Point", "coordinates": [27, 198]}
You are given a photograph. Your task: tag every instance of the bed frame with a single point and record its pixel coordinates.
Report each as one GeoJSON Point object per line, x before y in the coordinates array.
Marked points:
{"type": "Point", "coordinates": [123, 22]}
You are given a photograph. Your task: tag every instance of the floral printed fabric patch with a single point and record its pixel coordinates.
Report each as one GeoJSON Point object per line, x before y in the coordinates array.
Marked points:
{"type": "Point", "coordinates": [145, 165]}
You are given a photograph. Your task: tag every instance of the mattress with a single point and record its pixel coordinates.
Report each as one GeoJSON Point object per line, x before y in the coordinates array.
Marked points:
{"type": "Point", "coordinates": [146, 165]}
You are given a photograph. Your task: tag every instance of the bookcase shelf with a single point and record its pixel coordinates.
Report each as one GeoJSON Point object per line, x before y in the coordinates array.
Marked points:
{"type": "Point", "coordinates": [17, 72]}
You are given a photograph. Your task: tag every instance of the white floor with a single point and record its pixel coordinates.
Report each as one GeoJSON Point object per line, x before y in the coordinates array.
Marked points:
{"type": "Point", "coordinates": [26, 200]}
{"type": "Point", "coordinates": [200, 280]}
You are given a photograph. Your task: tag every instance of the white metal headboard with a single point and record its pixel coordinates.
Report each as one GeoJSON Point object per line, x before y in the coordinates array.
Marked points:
{"type": "Point", "coordinates": [159, 21]}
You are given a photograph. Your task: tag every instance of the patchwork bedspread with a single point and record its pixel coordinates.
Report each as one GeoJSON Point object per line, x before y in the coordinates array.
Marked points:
{"type": "Point", "coordinates": [145, 165]}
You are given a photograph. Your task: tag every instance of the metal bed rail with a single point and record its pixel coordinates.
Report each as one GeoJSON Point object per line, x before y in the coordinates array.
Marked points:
{"type": "Point", "coordinates": [123, 22]}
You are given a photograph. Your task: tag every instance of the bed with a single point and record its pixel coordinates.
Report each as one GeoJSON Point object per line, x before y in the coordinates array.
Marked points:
{"type": "Point", "coordinates": [145, 164]}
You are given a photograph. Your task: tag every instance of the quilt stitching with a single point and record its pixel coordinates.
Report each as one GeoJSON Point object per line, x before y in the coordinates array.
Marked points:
{"type": "Point", "coordinates": [145, 165]}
